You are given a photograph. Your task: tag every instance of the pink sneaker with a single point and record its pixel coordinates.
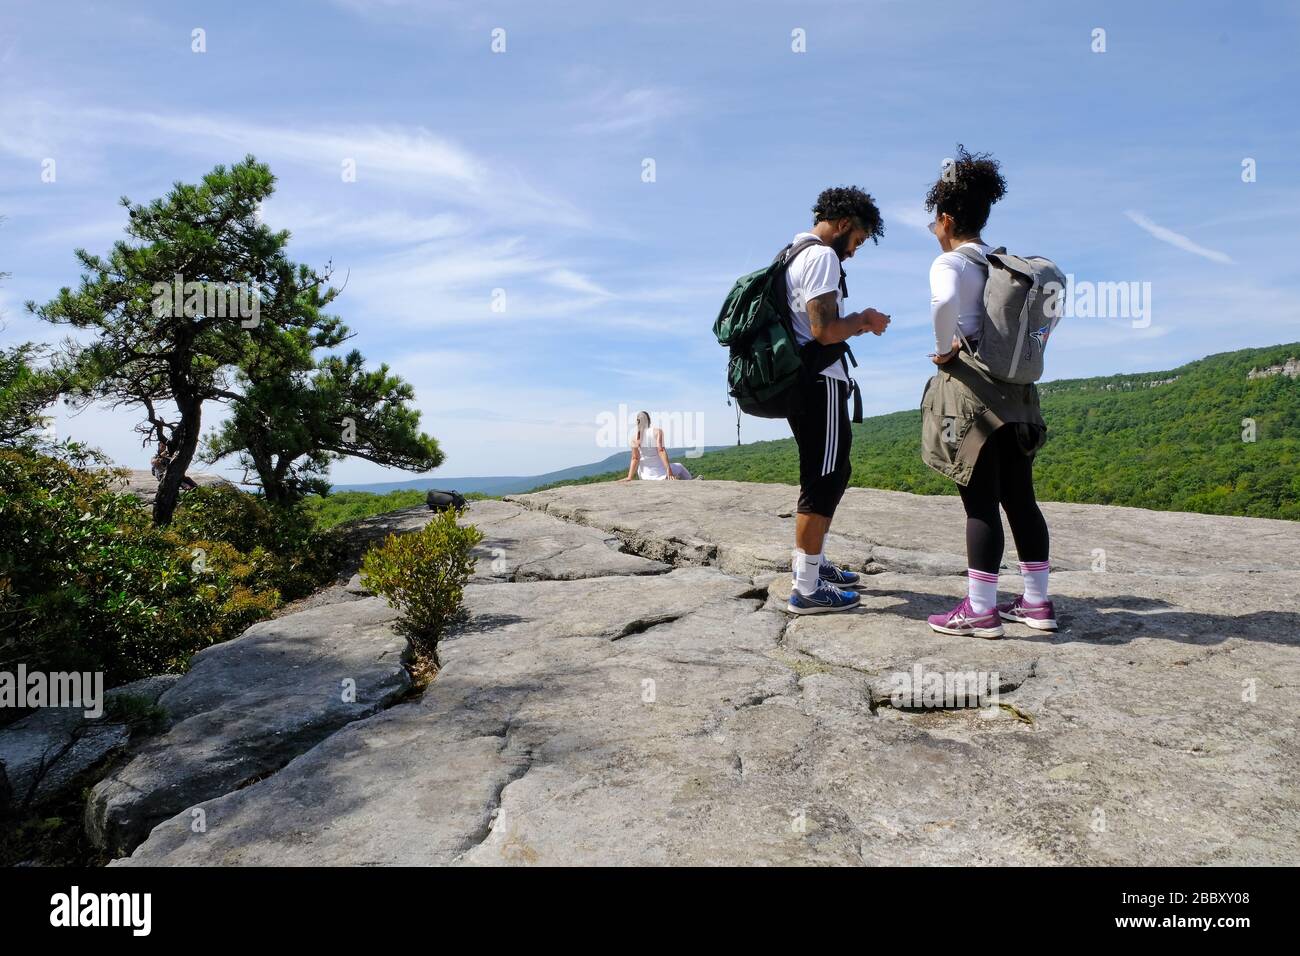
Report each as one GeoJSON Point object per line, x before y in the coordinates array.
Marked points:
{"type": "Point", "coordinates": [964, 622]}
{"type": "Point", "coordinates": [1040, 616]}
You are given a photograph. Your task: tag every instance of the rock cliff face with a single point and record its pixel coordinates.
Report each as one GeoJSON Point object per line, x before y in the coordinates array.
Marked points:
{"type": "Point", "coordinates": [1290, 368]}
{"type": "Point", "coordinates": [627, 689]}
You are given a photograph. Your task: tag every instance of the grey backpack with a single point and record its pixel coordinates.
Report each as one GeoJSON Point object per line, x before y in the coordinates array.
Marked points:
{"type": "Point", "coordinates": [1022, 304]}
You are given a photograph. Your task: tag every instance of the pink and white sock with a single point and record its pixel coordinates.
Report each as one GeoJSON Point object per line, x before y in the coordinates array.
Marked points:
{"type": "Point", "coordinates": [1035, 575]}
{"type": "Point", "coordinates": [981, 590]}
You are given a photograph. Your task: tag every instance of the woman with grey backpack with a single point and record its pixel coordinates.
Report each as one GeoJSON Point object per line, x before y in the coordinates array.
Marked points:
{"type": "Point", "coordinates": [981, 425]}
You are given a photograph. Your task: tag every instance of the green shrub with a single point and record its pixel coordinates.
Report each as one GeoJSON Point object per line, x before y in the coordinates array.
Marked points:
{"type": "Point", "coordinates": [423, 573]}
{"type": "Point", "coordinates": [286, 551]}
{"type": "Point", "coordinates": [88, 583]}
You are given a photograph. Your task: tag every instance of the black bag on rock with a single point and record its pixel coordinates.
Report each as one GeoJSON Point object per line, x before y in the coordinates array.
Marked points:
{"type": "Point", "coordinates": [442, 500]}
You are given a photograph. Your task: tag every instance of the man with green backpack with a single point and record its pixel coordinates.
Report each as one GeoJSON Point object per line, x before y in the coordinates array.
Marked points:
{"type": "Point", "coordinates": [789, 359]}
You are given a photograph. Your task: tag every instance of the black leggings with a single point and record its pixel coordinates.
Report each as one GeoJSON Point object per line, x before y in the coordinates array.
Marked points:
{"type": "Point", "coordinates": [1003, 475]}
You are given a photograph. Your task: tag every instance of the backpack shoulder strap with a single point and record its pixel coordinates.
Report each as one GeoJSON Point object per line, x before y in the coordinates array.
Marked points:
{"type": "Point", "coordinates": [1017, 264]}
{"type": "Point", "coordinates": [972, 255]}
{"type": "Point", "coordinates": [786, 255]}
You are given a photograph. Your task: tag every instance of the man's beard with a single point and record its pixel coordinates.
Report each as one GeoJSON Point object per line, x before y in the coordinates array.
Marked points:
{"type": "Point", "coordinates": [841, 244]}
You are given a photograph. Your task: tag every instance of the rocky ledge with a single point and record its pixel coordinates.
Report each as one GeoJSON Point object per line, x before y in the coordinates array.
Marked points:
{"type": "Point", "coordinates": [626, 688]}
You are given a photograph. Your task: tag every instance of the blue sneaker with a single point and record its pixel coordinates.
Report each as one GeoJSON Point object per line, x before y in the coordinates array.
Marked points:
{"type": "Point", "coordinates": [839, 577]}
{"type": "Point", "coordinates": [826, 598]}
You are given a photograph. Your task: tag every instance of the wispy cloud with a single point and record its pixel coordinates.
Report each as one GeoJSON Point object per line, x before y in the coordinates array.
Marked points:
{"type": "Point", "coordinates": [411, 158]}
{"type": "Point", "coordinates": [413, 152]}
{"type": "Point", "coordinates": [575, 282]}
{"type": "Point", "coordinates": [311, 225]}
{"type": "Point", "coordinates": [613, 110]}
{"type": "Point", "coordinates": [449, 282]}
{"type": "Point", "coordinates": [1177, 239]}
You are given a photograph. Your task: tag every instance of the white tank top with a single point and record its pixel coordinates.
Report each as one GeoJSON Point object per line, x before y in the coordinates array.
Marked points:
{"type": "Point", "coordinates": [651, 466]}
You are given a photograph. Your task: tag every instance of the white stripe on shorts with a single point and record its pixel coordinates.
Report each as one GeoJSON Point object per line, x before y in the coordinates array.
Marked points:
{"type": "Point", "coordinates": [832, 427]}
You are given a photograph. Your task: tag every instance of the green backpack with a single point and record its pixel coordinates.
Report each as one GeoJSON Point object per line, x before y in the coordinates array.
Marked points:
{"type": "Point", "coordinates": [766, 362]}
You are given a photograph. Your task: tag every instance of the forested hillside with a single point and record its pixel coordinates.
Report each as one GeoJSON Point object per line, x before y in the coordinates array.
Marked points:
{"type": "Point", "coordinates": [1172, 440]}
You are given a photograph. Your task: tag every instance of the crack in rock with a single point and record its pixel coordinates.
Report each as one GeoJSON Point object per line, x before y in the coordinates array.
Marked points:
{"type": "Point", "coordinates": [519, 768]}
{"type": "Point", "coordinates": [514, 577]}
{"type": "Point", "coordinates": [757, 698]}
{"type": "Point", "coordinates": [642, 624]}
{"type": "Point", "coordinates": [669, 550]}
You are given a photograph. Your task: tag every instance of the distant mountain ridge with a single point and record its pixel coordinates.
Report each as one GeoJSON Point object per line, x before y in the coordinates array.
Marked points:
{"type": "Point", "coordinates": [516, 484]}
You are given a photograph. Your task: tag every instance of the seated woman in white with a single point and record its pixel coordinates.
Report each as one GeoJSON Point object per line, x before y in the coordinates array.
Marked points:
{"type": "Point", "coordinates": [649, 457]}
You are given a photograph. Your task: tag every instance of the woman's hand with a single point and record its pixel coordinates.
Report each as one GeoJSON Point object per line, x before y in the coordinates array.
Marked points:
{"type": "Point", "coordinates": [622, 480]}
{"type": "Point", "coordinates": [943, 359]}
{"type": "Point", "coordinates": [949, 355]}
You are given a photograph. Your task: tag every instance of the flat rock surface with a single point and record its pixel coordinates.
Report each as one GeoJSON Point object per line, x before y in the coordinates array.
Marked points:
{"type": "Point", "coordinates": [745, 528]}
{"type": "Point", "coordinates": [519, 544]}
{"type": "Point", "coordinates": [683, 717]}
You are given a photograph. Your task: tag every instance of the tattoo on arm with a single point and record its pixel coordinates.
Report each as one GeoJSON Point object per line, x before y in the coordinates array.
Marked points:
{"type": "Point", "coordinates": [823, 312]}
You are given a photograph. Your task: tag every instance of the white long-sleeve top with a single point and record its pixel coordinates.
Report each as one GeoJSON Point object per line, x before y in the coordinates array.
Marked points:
{"type": "Point", "coordinates": [956, 296]}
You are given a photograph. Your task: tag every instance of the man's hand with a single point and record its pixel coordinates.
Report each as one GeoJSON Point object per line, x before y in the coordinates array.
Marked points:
{"type": "Point", "coordinates": [873, 321]}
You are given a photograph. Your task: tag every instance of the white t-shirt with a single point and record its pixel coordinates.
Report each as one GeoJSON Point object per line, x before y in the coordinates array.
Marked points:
{"type": "Point", "coordinates": [813, 272]}
{"type": "Point", "coordinates": [651, 466]}
{"type": "Point", "coordinates": [956, 296]}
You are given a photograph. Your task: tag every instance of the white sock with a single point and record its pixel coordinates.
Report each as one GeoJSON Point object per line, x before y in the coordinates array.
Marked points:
{"type": "Point", "coordinates": [982, 590]}
{"type": "Point", "coordinates": [1035, 575]}
{"type": "Point", "coordinates": [807, 568]}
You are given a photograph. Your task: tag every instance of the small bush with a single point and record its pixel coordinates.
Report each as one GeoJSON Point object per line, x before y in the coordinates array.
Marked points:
{"type": "Point", "coordinates": [423, 573]}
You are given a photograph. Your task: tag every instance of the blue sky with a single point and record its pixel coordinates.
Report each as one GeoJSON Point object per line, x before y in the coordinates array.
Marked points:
{"type": "Point", "coordinates": [522, 171]}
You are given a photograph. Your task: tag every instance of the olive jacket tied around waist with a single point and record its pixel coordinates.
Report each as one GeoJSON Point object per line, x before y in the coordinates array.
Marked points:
{"type": "Point", "coordinates": [962, 406]}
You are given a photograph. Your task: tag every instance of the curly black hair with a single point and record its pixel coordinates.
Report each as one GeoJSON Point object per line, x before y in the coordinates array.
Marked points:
{"type": "Point", "coordinates": [967, 191]}
{"type": "Point", "coordinates": [841, 202]}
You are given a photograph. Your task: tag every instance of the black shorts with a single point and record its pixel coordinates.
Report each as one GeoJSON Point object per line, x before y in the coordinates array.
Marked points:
{"type": "Point", "coordinates": [821, 430]}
